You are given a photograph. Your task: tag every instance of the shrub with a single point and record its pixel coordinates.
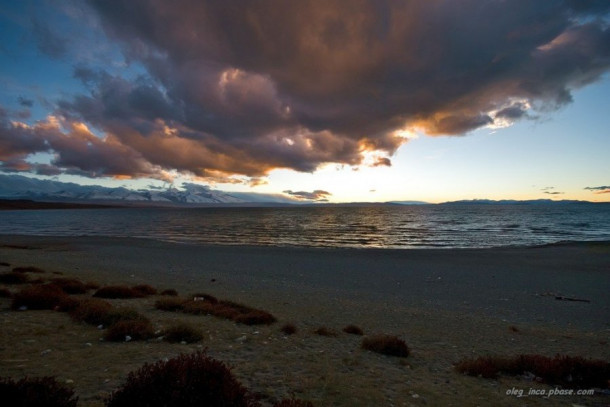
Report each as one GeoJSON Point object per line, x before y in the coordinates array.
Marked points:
{"type": "Point", "coordinates": [123, 314]}
{"type": "Point", "coordinates": [92, 311]}
{"type": "Point", "coordinates": [353, 330]}
{"type": "Point", "coordinates": [182, 332]}
{"type": "Point", "coordinates": [144, 290]}
{"type": "Point", "coordinates": [568, 371]}
{"type": "Point", "coordinates": [170, 304]}
{"type": "Point", "coordinates": [387, 345]}
{"type": "Point", "coordinates": [125, 330]}
{"type": "Point", "coordinates": [256, 317]}
{"type": "Point", "coordinates": [29, 269]}
{"type": "Point", "coordinates": [116, 291]}
{"type": "Point", "coordinates": [324, 331]}
{"type": "Point", "coordinates": [13, 278]}
{"type": "Point", "coordinates": [289, 329]}
{"type": "Point", "coordinates": [70, 285]}
{"type": "Point", "coordinates": [293, 403]}
{"type": "Point", "coordinates": [187, 380]}
{"type": "Point", "coordinates": [170, 292]}
{"type": "Point", "coordinates": [36, 392]}
{"type": "Point", "coordinates": [204, 297]}
{"type": "Point", "coordinates": [4, 293]}
{"type": "Point", "coordinates": [46, 296]}
{"type": "Point", "coordinates": [5, 264]}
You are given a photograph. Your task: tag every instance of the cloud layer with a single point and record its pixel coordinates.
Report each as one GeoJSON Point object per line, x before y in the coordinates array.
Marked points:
{"type": "Point", "coordinates": [244, 87]}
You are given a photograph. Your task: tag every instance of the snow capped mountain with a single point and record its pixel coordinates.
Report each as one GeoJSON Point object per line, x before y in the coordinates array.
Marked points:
{"type": "Point", "coordinates": [20, 187]}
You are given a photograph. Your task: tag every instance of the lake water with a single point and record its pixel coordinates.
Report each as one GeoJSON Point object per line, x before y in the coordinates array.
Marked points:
{"type": "Point", "coordinates": [425, 226]}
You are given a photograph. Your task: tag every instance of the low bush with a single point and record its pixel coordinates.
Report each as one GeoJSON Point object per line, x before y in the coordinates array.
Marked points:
{"type": "Point", "coordinates": [129, 330]}
{"type": "Point", "coordinates": [28, 269]}
{"type": "Point", "coordinates": [123, 314]}
{"type": "Point", "coordinates": [293, 403]}
{"type": "Point", "coordinates": [91, 311]}
{"type": "Point", "coordinates": [568, 371]}
{"type": "Point", "coordinates": [324, 331]}
{"type": "Point", "coordinates": [187, 380]}
{"type": "Point", "coordinates": [387, 345]}
{"type": "Point", "coordinates": [13, 278]}
{"type": "Point", "coordinates": [289, 329]}
{"type": "Point", "coordinates": [4, 293]}
{"type": "Point", "coordinates": [116, 291]}
{"type": "Point", "coordinates": [204, 297]}
{"type": "Point", "coordinates": [38, 297]}
{"type": "Point", "coordinates": [70, 285]}
{"type": "Point", "coordinates": [182, 332]}
{"type": "Point", "coordinates": [5, 264]}
{"type": "Point", "coordinates": [353, 330]}
{"type": "Point", "coordinates": [170, 292]}
{"type": "Point", "coordinates": [144, 290]}
{"type": "Point", "coordinates": [36, 392]}
{"type": "Point", "coordinates": [256, 317]}
{"type": "Point", "coordinates": [170, 304]}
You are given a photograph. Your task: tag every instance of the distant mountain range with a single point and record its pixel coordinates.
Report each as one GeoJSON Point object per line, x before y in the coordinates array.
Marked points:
{"type": "Point", "coordinates": [17, 187]}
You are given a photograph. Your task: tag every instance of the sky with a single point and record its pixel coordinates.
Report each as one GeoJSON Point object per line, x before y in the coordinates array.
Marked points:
{"type": "Point", "coordinates": [318, 100]}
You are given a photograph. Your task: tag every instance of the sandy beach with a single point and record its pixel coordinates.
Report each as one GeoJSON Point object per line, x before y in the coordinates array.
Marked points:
{"type": "Point", "coordinates": [446, 305]}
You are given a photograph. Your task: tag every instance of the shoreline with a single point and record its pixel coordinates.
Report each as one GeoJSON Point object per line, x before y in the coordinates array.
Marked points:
{"type": "Point", "coordinates": [446, 304]}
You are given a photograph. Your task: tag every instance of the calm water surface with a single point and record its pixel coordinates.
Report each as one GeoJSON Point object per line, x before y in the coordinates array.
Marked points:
{"type": "Point", "coordinates": [423, 226]}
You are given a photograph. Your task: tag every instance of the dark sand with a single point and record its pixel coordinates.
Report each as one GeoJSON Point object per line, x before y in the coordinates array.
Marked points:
{"type": "Point", "coordinates": [446, 304]}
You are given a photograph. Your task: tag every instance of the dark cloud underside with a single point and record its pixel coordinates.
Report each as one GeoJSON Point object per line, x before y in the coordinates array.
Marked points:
{"type": "Point", "coordinates": [244, 87]}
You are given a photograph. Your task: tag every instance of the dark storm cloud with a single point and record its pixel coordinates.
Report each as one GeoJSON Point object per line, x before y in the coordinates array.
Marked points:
{"type": "Point", "coordinates": [599, 190]}
{"type": "Point", "coordinates": [25, 102]}
{"type": "Point", "coordinates": [317, 195]}
{"type": "Point", "coordinates": [244, 87]}
{"type": "Point", "coordinates": [47, 40]}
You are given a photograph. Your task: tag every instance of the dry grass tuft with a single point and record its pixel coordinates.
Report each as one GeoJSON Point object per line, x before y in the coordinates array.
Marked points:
{"type": "Point", "coordinates": [36, 392]}
{"type": "Point", "coordinates": [5, 264]}
{"type": "Point", "coordinates": [38, 297]}
{"type": "Point", "coordinates": [205, 304]}
{"type": "Point", "coordinates": [70, 285]}
{"type": "Point", "coordinates": [144, 290]}
{"type": "Point", "coordinates": [289, 329]}
{"type": "Point", "coordinates": [324, 331]}
{"type": "Point", "coordinates": [353, 330]}
{"type": "Point", "coordinates": [182, 332]}
{"type": "Point", "coordinates": [256, 317]}
{"type": "Point", "coordinates": [91, 311]}
{"type": "Point", "coordinates": [117, 291]}
{"type": "Point", "coordinates": [292, 403]}
{"type": "Point", "coordinates": [28, 269]}
{"type": "Point", "coordinates": [187, 380]}
{"type": "Point", "coordinates": [170, 304]}
{"type": "Point", "coordinates": [13, 278]}
{"type": "Point", "coordinates": [170, 292]}
{"type": "Point", "coordinates": [386, 345]}
{"type": "Point", "coordinates": [129, 330]}
{"type": "Point", "coordinates": [568, 371]}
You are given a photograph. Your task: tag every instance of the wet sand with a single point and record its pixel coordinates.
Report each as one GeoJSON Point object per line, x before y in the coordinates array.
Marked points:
{"type": "Point", "coordinates": [446, 304]}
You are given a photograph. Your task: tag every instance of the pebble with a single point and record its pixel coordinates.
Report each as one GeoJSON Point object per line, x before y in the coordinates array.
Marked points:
{"type": "Point", "coordinates": [127, 338]}
{"type": "Point", "coordinates": [45, 352]}
{"type": "Point", "coordinates": [241, 339]}
{"type": "Point", "coordinates": [100, 326]}
{"type": "Point", "coordinates": [69, 381]}
{"type": "Point", "coordinates": [88, 344]}
{"type": "Point", "coordinates": [23, 308]}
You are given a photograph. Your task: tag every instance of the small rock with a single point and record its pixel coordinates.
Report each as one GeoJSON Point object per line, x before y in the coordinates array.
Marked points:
{"type": "Point", "coordinates": [182, 342]}
{"type": "Point", "coordinates": [69, 381]}
{"type": "Point", "coordinates": [127, 338]}
{"type": "Point", "coordinates": [45, 352]}
{"type": "Point", "coordinates": [415, 396]}
{"type": "Point", "coordinates": [241, 339]}
{"type": "Point", "coordinates": [88, 344]}
{"type": "Point", "coordinates": [100, 326]}
{"type": "Point", "coordinates": [23, 308]}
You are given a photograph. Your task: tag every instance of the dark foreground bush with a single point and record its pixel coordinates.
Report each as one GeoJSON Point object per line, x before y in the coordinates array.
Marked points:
{"type": "Point", "coordinates": [387, 345]}
{"type": "Point", "coordinates": [117, 291]}
{"type": "Point", "coordinates": [28, 269]}
{"type": "Point", "coordinates": [35, 392]}
{"type": "Point", "coordinates": [170, 292]}
{"type": "Point", "coordinates": [182, 332]}
{"type": "Point", "coordinates": [70, 285]}
{"type": "Point", "coordinates": [204, 304]}
{"type": "Point", "coordinates": [293, 403]}
{"type": "Point", "coordinates": [187, 380]}
{"type": "Point", "coordinates": [324, 331]}
{"type": "Point", "coordinates": [568, 371]}
{"type": "Point", "coordinates": [4, 293]}
{"type": "Point", "coordinates": [92, 311]}
{"type": "Point", "coordinates": [144, 290]}
{"type": "Point", "coordinates": [289, 329]}
{"type": "Point", "coordinates": [353, 330]}
{"type": "Point", "coordinates": [13, 278]}
{"type": "Point", "coordinates": [45, 296]}
{"type": "Point", "coordinates": [129, 330]}
{"type": "Point", "coordinates": [170, 304]}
